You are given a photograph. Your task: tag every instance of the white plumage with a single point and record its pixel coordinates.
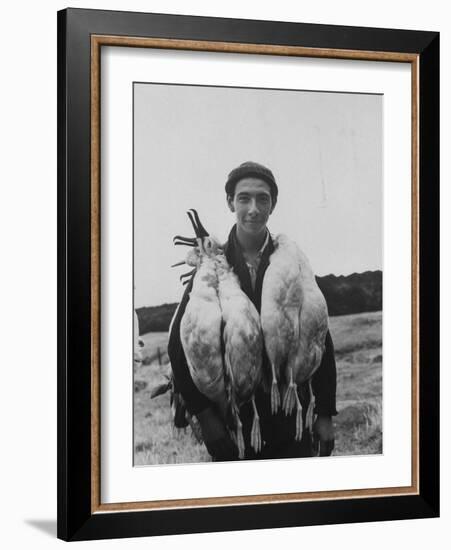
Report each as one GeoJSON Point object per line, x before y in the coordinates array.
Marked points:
{"type": "Point", "coordinates": [219, 312]}
{"type": "Point", "coordinates": [293, 325]}
{"type": "Point", "coordinates": [200, 332]}
{"type": "Point", "coordinates": [243, 345]}
{"type": "Point", "coordinates": [294, 321]}
{"type": "Point", "coordinates": [280, 305]}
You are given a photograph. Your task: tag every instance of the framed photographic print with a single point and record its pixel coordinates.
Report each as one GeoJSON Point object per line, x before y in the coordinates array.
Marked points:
{"type": "Point", "coordinates": [248, 274]}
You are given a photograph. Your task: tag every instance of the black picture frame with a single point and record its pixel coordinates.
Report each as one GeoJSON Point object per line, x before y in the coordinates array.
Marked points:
{"type": "Point", "coordinates": [76, 518]}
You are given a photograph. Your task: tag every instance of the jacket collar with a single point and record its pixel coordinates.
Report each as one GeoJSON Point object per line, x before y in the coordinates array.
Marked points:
{"type": "Point", "coordinates": [235, 258]}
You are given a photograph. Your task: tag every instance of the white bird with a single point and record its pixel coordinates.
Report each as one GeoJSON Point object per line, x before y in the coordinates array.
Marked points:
{"type": "Point", "coordinates": [280, 305]}
{"type": "Point", "coordinates": [243, 346]}
{"type": "Point", "coordinates": [200, 332]}
{"type": "Point", "coordinates": [240, 332]}
{"type": "Point", "coordinates": [294, 320]}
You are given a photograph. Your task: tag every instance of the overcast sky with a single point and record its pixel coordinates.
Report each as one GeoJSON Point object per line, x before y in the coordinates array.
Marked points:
{"type": "Point", "coordinates": [325, 150]}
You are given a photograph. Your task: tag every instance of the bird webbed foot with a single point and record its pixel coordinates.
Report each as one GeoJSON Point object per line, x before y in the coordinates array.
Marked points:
{"type": "Point", "coordinates": [299, 426]}
{"type": "Point", "coordinates": [256, 438]}
{"type": "Point", "coordinates": [289, 398]}
{"type": "Point", "coordinates": [309, 415]}
{"type": "Point", "coordinates": [275, 397]}
{"type": "Point", "coordinates": [239, 438]}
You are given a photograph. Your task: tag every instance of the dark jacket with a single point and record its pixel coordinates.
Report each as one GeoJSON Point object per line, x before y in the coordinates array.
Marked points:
{"type": "Point", "coordinates": [277, 430]}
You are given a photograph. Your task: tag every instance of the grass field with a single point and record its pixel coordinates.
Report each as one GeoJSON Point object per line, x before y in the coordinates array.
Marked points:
{"type": "Point", "coordinates": [358, 426]}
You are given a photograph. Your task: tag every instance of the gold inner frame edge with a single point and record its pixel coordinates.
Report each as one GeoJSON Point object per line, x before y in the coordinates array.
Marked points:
{"type": "Point", "coordinates": [97, 41]}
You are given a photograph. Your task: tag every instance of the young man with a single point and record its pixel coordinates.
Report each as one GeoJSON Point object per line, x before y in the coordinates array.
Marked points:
{"type": "Point", "coordinates": [251, 192]}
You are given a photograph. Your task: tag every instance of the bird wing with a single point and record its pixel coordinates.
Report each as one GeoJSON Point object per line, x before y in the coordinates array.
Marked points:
{"type": "Point", "coordinates": [201, 340]}
{"type": "Point", "coordinates": [200, 333]}
{"type": "Point", "coordinates": [281, 298]}
{"type": "Point", "coordinates": [243, 349]}
{"type": "Point", "coordinates": [313, 322]}
{"type": "Point", "coordinates": [302, 306]}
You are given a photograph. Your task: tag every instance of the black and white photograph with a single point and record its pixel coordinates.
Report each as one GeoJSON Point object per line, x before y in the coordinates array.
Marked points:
{"type": "Point", "coordinates": [257, 273]}
{"type": "Point", "coordinates": [226, 234]}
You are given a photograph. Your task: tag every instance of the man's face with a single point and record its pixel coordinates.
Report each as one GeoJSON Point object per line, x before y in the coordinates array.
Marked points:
{"type": "Point", "coordinates": [252, 205]}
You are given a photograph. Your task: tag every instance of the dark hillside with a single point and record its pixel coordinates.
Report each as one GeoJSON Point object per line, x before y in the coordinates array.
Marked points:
{"type": "Point", "coordinates": [355, 293]}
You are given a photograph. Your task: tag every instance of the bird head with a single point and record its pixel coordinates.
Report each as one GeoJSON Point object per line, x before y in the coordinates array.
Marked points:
{"type": "Point", "coordinates": [203, 243]}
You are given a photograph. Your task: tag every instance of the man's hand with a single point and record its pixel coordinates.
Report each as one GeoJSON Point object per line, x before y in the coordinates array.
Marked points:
{"type": "Point", "coordinates": [323, 436]}
{"type": "Point", "coordinates": [216, 437]}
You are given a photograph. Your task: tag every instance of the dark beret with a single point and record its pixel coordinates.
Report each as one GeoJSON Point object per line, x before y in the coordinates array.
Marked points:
{"type": "Point", "coordinates": [251, 169]}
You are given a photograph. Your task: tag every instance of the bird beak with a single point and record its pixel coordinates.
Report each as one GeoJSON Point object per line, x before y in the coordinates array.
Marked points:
{"type": "Point", "coordinates": [199, 229]}
{"type": "Point", "coordinates": [179, 263]}
{"type": "Point", "coordinates": [187, 241]}
{"type": "Point", "coordinates": [188, 274]}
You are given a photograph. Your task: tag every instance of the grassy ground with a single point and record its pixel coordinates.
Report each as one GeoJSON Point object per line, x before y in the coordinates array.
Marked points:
{"type": "Point", "coordinates": [358, 351]}
{"type": "Point", "coordinates": [156, 440]}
